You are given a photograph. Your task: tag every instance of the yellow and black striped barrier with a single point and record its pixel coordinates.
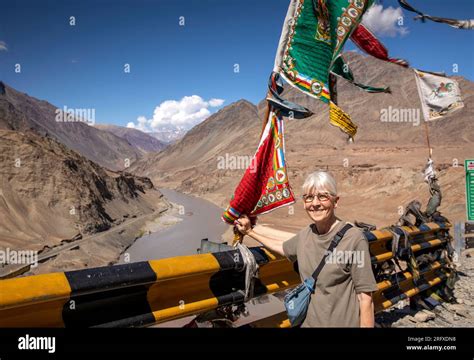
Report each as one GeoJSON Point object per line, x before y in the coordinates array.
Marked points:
{"type": "Point", "coordinates": [429, 235]}
{"type": "Point", "coordinates": [138, 294]}
{"type": "Point", "coordinates": [144, 293]}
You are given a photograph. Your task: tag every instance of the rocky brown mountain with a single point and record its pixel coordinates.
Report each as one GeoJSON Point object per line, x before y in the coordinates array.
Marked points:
{"type": "Point", "coordinates": [49, 193]}
{"type": "Point", "coordinates": [141, 141]}
{"type": "Point", "coordinates": [21, 112]}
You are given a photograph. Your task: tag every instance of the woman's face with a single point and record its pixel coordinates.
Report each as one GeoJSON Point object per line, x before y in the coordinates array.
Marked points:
{"type": "Point", "coordinates": [320, 205]}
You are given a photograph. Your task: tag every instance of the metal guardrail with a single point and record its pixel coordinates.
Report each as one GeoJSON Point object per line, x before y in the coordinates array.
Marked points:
{"type": "Point", "coordinates": [138, 294]}
{"type": "Point", "coordinates": [156, 291]}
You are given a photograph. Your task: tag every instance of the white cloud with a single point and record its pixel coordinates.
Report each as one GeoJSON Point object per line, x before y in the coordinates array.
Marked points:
{"type": "Point", "coordinates": [172, 114]}
{"type": "Point", "coordinates": [3, 46]}
{"type": "Point", "coordinates": [384, 21]}
{"type": "Point", "coordinates": [216, 102]}
{"type": "Point", "coordinates": [141, 124]}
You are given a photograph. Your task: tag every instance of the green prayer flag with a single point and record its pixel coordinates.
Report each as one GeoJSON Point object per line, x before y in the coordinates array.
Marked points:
{"type": "Point", "coordinates": [313, 36]}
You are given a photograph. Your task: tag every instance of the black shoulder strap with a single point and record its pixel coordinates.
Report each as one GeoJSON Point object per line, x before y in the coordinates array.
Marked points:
{"type": "Point", "coordinates": [334, 243]}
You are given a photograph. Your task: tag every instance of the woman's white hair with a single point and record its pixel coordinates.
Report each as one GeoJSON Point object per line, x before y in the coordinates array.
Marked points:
{"type": "Point", "coordinates": [320, 181]}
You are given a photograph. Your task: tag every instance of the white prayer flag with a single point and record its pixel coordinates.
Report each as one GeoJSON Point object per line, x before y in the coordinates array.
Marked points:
{"type": "Point", "coordinates": [439, 95]}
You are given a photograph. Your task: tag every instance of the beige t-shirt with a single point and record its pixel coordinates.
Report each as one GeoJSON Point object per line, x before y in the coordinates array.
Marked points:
{"type": "Point", "coordinates": [347, 273]}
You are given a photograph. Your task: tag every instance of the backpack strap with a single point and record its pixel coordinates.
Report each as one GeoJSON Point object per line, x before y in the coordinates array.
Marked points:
{"type": "Point", "coordinates": [334, 242]}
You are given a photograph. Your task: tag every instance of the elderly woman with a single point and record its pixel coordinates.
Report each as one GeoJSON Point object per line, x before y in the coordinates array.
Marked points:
{"type": "Point", "coordinates": [343, 295]}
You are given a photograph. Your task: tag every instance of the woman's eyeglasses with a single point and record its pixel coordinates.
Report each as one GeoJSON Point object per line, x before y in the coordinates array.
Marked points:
{"type": "Point", "coordinates": [322, 197]}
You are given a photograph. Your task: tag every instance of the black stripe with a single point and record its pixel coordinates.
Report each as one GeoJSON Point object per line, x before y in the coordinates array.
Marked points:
{"type": "Point", "coordinates": [229, 260]}
{"type": "Point", "coordinates": [398, 231]}
{"type": "Point", "coordinates": [424, 237]}
{"type": "Point", "coordinates": [105, 307]}
{"type": "Point", "coordinates": [110, 277]}
{"type": "Point", "coordinates": [228, 281]}
{"type": "Point", "coordinates": [233, 259]}
{"type": "Point", "coordinates": [232, 298]}
{"type": "Point", "coordinates": [108, 294]}
{"type": "Point", "coordinates": [424, 227]}
{"type": "Point", "coordinates": [231, 278]}
{"type": "Point", "coordinates": [260, 255]}
{"type": "Point", "coordinates": [370, 236]}
{"type": "Point", "coordinates": [136, 321]}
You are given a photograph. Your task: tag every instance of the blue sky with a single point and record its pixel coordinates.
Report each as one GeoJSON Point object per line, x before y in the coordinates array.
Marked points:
{"type": "Point", "coordinates": [82, 66]}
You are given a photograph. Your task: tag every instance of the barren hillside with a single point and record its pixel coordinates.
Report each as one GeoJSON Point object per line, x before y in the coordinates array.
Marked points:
{"type": "Point", "coordinates": [49, 193]}
{"type": "Point", "coordinates": [21, 112]}
{"type": "Point", "coordinates": [141, 141]}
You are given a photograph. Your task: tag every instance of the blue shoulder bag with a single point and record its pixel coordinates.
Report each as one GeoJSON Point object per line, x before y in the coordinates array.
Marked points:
{"type": "Point", "coordinates": [297, 301]}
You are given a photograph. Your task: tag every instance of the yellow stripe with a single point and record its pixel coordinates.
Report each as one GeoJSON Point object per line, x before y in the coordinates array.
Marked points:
{"type": "Point", "coordinates": [308, 87]}
{"type": "Point", "coordinates": [47, 314]}
{"type": "Point", "coordinates": [382, 234]}
{"type": "Point", "coordinates": [271, 256]}
{"type": "Point", "coordinates": [173, 293]}
{"type": "Point", "coordinates": [34, 301]}
{"type": "Point", "coordinates": [432, 243]}
{"type": "Point", "coordinates": [184, 309]}
{"type": "Point", "coordinates": [388, 254]}
{"type": "Point", "coordinates": [33, 289]}
{"type": "Point", "coordinates": [278, 275]}
{"type": "Point", "coordinates": [181, 280]}
{"type": "Point", "coordinates": [180, 266]}
{"type": "Point", "coordinates": [433, 226]}
{"type": "Point", "coordinates": [383, 257]}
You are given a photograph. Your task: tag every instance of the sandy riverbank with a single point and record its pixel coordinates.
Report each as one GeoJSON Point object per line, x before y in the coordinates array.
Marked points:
{"type": "Point", "coordinates": [105, 248]}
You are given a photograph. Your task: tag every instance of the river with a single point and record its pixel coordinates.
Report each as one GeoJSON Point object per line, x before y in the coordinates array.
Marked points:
{"type": "Point", "coordinates": [201, 219]}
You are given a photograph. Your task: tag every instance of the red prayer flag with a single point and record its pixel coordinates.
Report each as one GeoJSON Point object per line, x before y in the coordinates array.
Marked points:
{"type": "Point", "coordinates": [367, 42]}
{"type": "Point", "coordinates": [265, 185]}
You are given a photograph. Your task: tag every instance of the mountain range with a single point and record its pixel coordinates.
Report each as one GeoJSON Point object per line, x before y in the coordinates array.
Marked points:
{"type": "Point", "coordinates": [144, 142]}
